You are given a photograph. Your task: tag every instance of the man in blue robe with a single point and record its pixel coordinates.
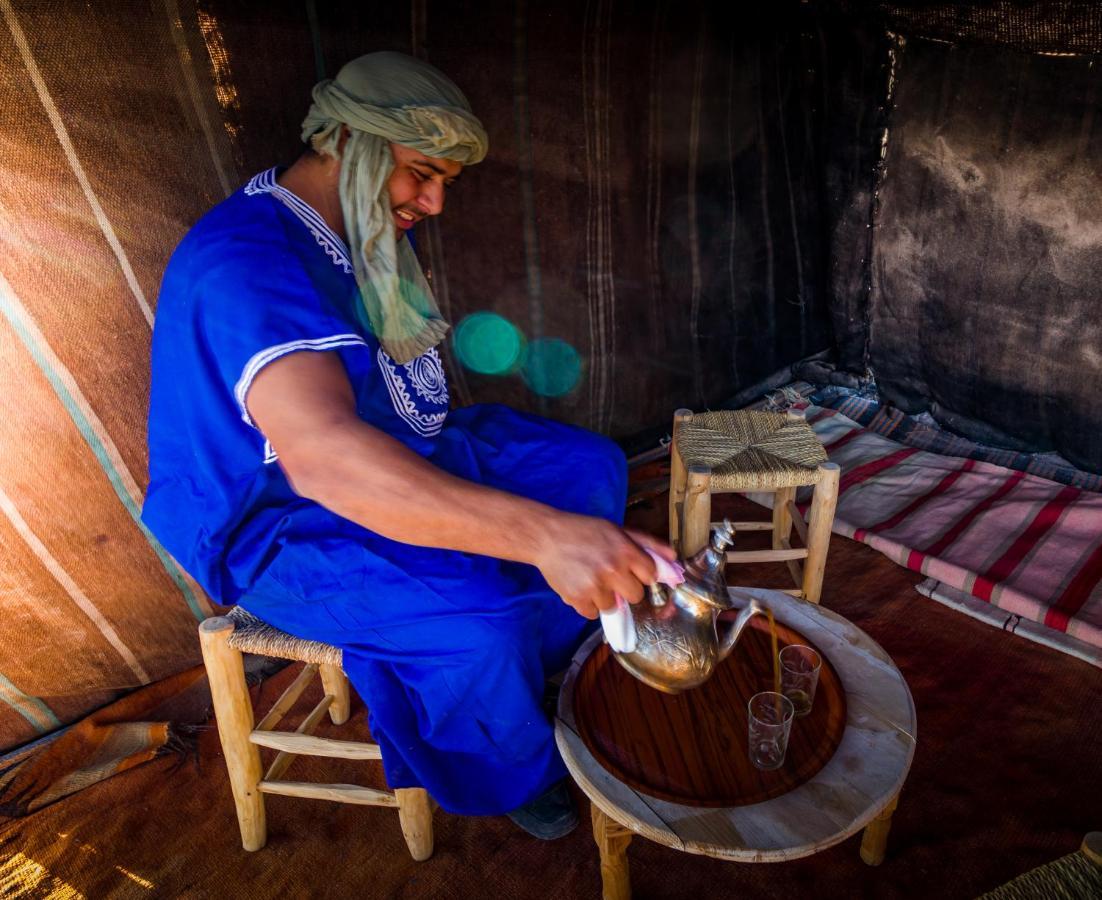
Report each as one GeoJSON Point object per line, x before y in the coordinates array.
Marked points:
{"type": "Point", "coordinates": [304, 460]}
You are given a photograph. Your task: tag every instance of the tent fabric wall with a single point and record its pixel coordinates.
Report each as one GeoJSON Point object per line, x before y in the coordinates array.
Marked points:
{"type": "Point", "coordinates": [856, 81]}
{"type": "Point", "coordinates": [987, 287]}
{"type": "Point", "coordinates": [963, 178]}
{"type": "Point", "coordinates": [651, 199]}
{"type": "Point", "coordinates": [651, 195]}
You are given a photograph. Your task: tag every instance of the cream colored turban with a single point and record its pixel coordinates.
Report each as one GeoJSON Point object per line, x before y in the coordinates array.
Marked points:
{"type": "Point", "coordinates": [385, 97]}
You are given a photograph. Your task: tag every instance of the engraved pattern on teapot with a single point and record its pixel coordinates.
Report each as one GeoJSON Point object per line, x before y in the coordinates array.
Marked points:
{"type": "Point", "coordinates": [678, 645]}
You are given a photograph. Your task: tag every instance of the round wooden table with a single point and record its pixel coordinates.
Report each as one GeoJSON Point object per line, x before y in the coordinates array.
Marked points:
{"type": "Point", "coordinates": [675, 768]}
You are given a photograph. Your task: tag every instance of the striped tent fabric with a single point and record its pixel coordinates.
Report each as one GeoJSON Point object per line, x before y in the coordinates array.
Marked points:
{"type": "Point", "coordinates": [93, 606]}
{"type": "Point", "coordinates": [1025, 545]}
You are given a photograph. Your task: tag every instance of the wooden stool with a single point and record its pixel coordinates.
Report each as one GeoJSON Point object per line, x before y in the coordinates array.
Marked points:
{"type": "Point", "coordinates": [223, 640]}
{"type": "Point", "coordinates": [748, 450]}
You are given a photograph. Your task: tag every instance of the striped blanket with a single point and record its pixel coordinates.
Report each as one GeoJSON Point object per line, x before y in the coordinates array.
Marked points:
{"type": "Point", "coordinates": [864, 408]}
{"type": "Point", "coordinates": [1020, 543]}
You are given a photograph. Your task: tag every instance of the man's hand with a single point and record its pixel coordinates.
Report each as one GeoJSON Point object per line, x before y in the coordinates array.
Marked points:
{"type": "Point", "coordinates": [588, 561]}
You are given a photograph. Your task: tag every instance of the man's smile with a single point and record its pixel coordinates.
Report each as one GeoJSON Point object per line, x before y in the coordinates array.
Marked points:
{"type": "Point", "coordinates": [405, 218]}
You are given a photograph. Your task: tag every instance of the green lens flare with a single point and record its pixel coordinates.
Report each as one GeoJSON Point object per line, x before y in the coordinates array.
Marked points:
{"type": "Point", "coordinates": [551, 367]}
{"type": "Point", "coordinates": [486, 343]}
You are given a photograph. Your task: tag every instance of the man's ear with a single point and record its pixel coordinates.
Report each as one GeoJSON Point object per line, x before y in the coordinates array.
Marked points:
{"type": "Point", "coordinates": [346, 133]}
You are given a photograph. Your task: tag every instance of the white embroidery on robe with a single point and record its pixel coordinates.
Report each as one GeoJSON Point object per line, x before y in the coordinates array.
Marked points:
{"type": "Point", "coordinates": [425, 375]}
{"type": "Point", "coordinates": [265, 183]}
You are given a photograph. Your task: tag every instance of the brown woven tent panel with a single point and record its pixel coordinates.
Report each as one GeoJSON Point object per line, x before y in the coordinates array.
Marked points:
{"type": "Point", "coordinates": [21, 727]}
{"type": "Point", "coordinates": [132, 116]}
{"type": "Point", "coordinates": [63, 269]}
{"type": "Point", "coordinates": [112, 147]}
{"type": "Point", "coordinates": [72, 518]}
{"type": "Point", "coordinates": [33, 643]}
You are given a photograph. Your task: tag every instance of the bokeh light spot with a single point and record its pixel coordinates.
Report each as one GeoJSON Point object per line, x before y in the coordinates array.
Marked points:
{"type": "Point", "coordinates": [488, 343]}
{"type": "Point", "coordinates": [551, 367]}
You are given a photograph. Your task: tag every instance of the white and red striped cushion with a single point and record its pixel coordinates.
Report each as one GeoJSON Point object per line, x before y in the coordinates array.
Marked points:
{"type": "Point", "coordinates": [1024, 544]}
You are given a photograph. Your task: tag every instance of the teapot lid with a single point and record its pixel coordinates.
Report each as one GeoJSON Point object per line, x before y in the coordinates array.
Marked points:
{"type": "Point", "coordinates": [707, 568]}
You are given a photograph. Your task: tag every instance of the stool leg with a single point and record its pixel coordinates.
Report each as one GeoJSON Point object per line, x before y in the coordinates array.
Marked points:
{"type": "Point", "coordinates": [697, 517]}
{"type": "Point", "coordinates": [821, 519]}
{"type": "Point", "coordinates": [612, 843]}
{"type": "Point", "coordinates": [233, 711]}
{"type": "Point", "coordinates": [335, 682]}
{"type": "Point", "coordinates": [874, 839]}
{"type": "Point", "coordinates": [782, 518]}
{"type": "Point", "coordinates": [415, 814]}
{"type": "Point", "coordinates": [677, 478]}
{"type": "Point", "coordinates": [782, 530]}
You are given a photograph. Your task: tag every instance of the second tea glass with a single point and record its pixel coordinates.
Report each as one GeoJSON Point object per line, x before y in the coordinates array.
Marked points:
{"type": "Point", "coordinates": [770, 724]}
{"type": "Point", "coordinates": [799, 676]}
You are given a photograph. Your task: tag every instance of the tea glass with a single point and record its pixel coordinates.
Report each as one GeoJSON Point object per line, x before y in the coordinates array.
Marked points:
{"type": "Point", "coordinates": [800, 667]}
{"type": "Point", "coordinates": [770, 723]}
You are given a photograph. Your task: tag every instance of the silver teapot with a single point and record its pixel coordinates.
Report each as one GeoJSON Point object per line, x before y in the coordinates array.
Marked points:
{"type": "Point", "coordinates": [677, 643]}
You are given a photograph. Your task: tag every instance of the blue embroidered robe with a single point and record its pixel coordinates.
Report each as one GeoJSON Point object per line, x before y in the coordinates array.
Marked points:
{"type": "Point", "coordinates": [448, 650]}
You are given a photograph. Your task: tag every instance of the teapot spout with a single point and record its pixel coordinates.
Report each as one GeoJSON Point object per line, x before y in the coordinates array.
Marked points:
{"type": "Point", "coordinates": [734, 632]}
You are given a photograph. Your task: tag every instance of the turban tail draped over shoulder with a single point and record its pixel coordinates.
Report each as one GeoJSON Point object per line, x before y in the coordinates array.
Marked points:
{"type": "Point", "coordinates": [385, 97]}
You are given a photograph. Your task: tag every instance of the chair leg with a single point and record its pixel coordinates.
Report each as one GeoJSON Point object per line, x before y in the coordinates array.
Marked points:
{"type": "Point", "coordinates": [335, 682]}
{"type": "Point", "coordinates": [677, 478]}
{"type": "Point", "coordinates": [821, 518]}
{"type": "Point", "coordinates": [233, 712]}
{"type": "Point", "coordinates": [697, 517]}
{"type": "Point", "coordinates": [415, 814]}
{"type": "Point", "coordinates": [782, 518]}
{"type": "Point", "coordinates": [782, 529]}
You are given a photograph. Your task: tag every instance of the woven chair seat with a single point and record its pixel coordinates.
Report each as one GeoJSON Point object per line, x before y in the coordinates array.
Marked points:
{"type": "Point", "coordinates": [751, 450]}
{"type": "Point", "coordinates": [252, 635]}
{"type": "Point", "coordinates": [1070, 877]}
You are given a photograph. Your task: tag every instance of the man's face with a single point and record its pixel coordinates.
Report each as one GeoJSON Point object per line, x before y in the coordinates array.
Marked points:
{"type": "Point", "coordinates": [417, 185]}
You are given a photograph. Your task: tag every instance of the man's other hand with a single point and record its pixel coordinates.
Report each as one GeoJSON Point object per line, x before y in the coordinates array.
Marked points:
{"type": "Point", "coordinates": [588, 561]}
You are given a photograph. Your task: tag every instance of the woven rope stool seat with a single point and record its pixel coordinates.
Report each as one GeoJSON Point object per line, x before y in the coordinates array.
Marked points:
{"type": "Point", "coordinates": [223, 639]}
{"type": "Point", "coordinates": [752, 450]}
{"type": "Point", "coordinates": [1077, 876]}
{"type": "Point", "coordinates": [252, 635]}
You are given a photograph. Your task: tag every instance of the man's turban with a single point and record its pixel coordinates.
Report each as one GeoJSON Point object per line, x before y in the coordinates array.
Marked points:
{"type": "Point", "coordinates": [384, 97]}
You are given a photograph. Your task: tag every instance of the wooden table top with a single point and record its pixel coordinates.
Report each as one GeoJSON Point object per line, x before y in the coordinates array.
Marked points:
{"type": "Point", "coordinates": [691, 747]}
{"type": "Point", "coordinates": [847, 759]}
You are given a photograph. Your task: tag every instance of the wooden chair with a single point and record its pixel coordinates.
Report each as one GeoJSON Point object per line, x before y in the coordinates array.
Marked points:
{"type": "Point", "coordinates": [223, 640]}
{"type": "Point", "coordinates": [747, 450]}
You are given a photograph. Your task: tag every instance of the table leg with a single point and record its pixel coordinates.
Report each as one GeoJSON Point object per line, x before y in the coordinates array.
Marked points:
{"type": "Point", "coordinates": [874, 840]}
{"type": "Point", "coordinates": [612, 842]}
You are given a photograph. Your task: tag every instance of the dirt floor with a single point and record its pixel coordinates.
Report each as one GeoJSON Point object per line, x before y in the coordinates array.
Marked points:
{"type": "Point", "coordinates": [1006, 776]}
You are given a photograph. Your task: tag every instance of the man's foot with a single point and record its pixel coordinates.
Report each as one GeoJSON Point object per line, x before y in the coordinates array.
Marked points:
{"type": "Point", "coordinates": [551, 815]}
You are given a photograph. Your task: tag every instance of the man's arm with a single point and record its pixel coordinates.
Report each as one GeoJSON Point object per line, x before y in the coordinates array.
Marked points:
{"type": "Point", "coordinates": [304, 405]}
